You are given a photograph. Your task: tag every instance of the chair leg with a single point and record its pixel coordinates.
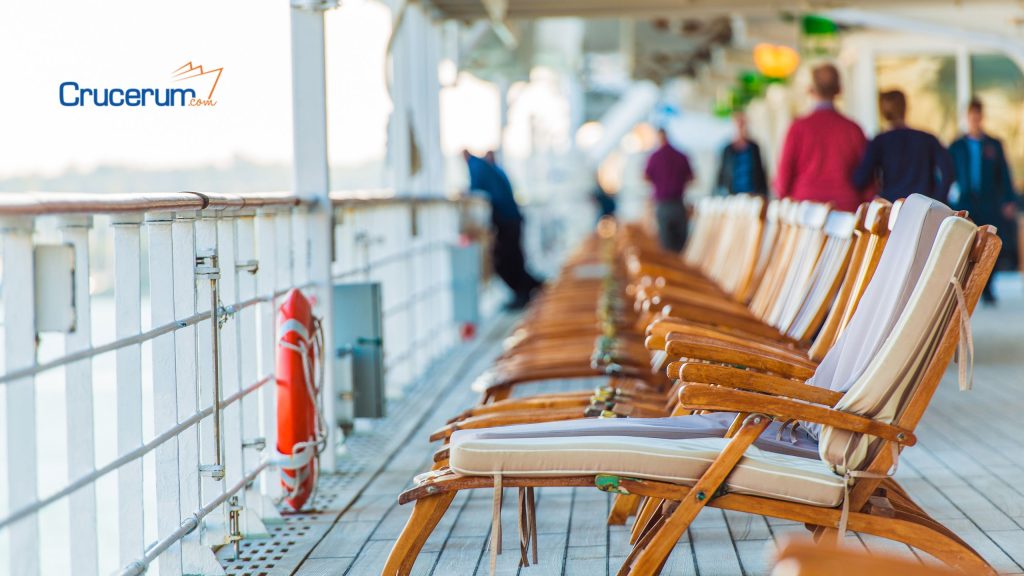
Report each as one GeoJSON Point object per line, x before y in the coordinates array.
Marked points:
{"type": "Point", "coordinates": [647, 511]}
{"type": "Point", "coordinates": [624, 506]}
{"type": "Point", "coordinates": [656, 552]}
{"type": "Point", "coordinates": [426, 513]}
{"type": "Point", "coordinates": [645, 538]}
{"type": "Point", "coordinates": [922, 534]}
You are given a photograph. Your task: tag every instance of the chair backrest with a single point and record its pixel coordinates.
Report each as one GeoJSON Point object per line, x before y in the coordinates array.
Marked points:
{"type": "Point", "coordinates": [871, 235]}
{"type": "Point", "coordinates": [898, 271]}
{"type": "Point", "coordinates": [862, 283]}
{"type": "Point", "coordinates": [701, 229]}
{"type": "Point", "coordinates": [888, 381]}
{"type": "Point", "coordinates": [802, 316]}
{"type": "Point", "coordinates": [786, 246]}
{"type": "Point", "coordinates": [811, 218]}
{"type": "Point", "coordinates": [767, 245]}
{"type": "Point", "coordinates": [755, 238]}
{"type": "Point", "coordinates": [742, 244]}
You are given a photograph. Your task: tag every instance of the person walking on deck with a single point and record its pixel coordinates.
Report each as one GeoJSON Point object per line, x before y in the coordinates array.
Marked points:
{"type": "Point", "coordinates": [741, 170]}
{"type": "Point", "coordinates": [984, 186]}
{"type": "Point", "coordinates": [903, 160]}
{"type": "Point", "coordinates": [669, 172]}
{"type": "Point", "coordinates": [490, 181]}
{"type": "Point", "coordinates": [822, 150]}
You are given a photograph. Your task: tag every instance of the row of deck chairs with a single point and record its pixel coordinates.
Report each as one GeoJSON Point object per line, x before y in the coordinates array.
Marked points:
{"type": "Point", "coordinates": [777, 367]}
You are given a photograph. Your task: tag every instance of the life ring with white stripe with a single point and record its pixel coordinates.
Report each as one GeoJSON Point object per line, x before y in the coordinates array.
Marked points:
{"type": "Point", "coordinates": [300, 427]}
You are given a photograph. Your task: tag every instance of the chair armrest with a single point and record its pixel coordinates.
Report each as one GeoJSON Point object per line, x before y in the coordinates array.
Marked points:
{"type": "Point", "coordinates": [713, 351]}
{"type": "Point", "coordinates": [752, 344]}
{"type": "Point", "coordinates": [717, 398]}
{"type": "Point", "coordinates": [729, 377]}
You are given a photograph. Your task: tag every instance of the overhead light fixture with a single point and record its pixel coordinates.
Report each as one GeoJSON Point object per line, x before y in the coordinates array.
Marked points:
{"type": "Point", "coordinates": [776, 61]}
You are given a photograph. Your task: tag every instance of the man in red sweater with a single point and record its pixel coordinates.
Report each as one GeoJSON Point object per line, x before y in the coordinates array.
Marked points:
{"type": "Point", "coordinates": [822, 150]}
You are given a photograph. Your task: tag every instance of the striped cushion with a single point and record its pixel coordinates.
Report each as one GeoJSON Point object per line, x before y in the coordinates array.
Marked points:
{"type": "Point", "coordinates": [889, 379]}
{"type": "Point", "coordinates": [885, 297]}
{"type": "Point", "coordinates": [759, 473]}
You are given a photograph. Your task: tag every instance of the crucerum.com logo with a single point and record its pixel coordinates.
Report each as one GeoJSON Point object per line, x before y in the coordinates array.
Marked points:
{"type": "Point", "coordinates": [192, 86]}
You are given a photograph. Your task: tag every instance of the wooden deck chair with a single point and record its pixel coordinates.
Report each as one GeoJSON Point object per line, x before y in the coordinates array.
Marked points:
{"type": "Point", "coordinates": [861, 435]}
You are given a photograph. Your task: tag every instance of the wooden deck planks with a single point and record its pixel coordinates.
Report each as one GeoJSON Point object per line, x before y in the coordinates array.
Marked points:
{"type": "Point", "coordinates": [965, 471]}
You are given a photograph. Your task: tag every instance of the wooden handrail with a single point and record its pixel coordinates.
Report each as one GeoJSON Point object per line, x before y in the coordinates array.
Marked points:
{"type": "Point", "coordinates": [47, 203]}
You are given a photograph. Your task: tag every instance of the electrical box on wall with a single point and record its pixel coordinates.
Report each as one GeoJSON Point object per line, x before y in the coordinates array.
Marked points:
{"type": "Point", "coordinates": [358, 352]}
{"type": "Point", "coordinates": [55, 288]}
{"type": "Point", "coordinates": [466, 262]}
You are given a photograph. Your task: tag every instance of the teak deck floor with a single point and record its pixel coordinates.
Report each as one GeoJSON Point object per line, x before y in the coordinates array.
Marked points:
{"type": "Point", "coordinates": [967, 471]}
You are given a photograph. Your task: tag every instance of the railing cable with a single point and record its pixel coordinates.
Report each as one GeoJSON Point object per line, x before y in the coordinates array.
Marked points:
{"type": "Point", "coordinates": [140, 338]}
{"type": "Point", "coordinates": [129, 456]}
{"type": "Point", "coordinates": [188, 525]}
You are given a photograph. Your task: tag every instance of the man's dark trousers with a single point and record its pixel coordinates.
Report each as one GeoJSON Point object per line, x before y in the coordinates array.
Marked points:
{"type": "Point", "coordinates": [509, 263]}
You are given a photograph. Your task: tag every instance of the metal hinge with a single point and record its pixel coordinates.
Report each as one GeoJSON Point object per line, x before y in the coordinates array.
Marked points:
{"type": "Point", "coordinates": [610, 483]}
{"type": "Point", "coordinates": [250, 266]}
{"type": "Point", "coordinates": [234, 529]}
{"type": "Point", "coordinates": [258, 443]}
{"type": "Point", "coordinates": [206, 264]}
{"type": "Point", "coordinates": [215, 471]}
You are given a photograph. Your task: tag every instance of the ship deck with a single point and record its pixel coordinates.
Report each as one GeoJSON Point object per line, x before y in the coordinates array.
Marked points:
{"type": "Point", "coordinates": [966, 472]}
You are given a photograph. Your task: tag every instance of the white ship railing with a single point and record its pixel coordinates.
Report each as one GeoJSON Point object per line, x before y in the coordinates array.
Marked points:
{"type": "Point", "coordinates": [187, 405]}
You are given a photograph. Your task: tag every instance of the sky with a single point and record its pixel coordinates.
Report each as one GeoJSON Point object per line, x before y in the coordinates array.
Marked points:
{"type": "Point", "coordinates": [120, 43]}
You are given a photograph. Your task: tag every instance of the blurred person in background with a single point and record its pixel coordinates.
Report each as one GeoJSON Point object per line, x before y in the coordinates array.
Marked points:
{"type": "Point", "coordinates": [740, 169]}
{"type": "Point", "coordinates": [902, 160]}
{"type": "Point", "coordinates": [822, 150]}
{"type": "Point", "coordinates": [490, 181]}
{"type": "Point", "coordinates": [984, 186]}
{"type": "Point", "coordinates": [603, 200]}
{"type": "Point", "coordinates": [669, 173]}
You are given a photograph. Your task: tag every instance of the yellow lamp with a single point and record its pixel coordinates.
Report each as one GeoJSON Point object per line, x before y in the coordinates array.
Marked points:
{"type": "Point", "coordinates": [775, 61]}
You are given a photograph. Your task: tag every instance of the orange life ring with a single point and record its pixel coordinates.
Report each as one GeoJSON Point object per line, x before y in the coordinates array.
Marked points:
{"type": "Point", "coordinates": [296, 397]}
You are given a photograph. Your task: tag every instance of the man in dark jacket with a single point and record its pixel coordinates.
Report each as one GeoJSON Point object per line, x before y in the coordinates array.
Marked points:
{"type": "Point", "coordinates": [983, 178]}
{"type": "Point", "coordinates": [905, 161]}
{"type": "Point", "coordinates": [741, 170]}
{"type": "Point", "coordinates": [490, 181]}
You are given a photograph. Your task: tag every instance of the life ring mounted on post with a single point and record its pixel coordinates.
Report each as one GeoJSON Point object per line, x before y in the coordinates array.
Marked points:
{"type": "Point", "coordinates": [301, 429]}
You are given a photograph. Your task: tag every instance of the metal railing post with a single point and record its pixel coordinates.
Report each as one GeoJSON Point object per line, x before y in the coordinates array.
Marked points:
{"type": "Point", "coordinates": [128, 314]}
{"type": "Point", "coordinates": [165, 405]}
{"type": "Point", "coordinates": [196, 558]}
{"type": "Point", "coordinates": [19, 443]}
{"type": "Point", "coordinates": [254, 444]}
{"type": "Point", "coordinates": [78, 389]}
{"type": "Point", "coordinates": [267, 238]}
{"type": "Point", "coordinates": [312, 175]}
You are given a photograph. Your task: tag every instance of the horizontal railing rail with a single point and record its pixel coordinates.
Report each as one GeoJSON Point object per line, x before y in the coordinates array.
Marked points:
{"type": "Point", "coordinates": [56, 203]}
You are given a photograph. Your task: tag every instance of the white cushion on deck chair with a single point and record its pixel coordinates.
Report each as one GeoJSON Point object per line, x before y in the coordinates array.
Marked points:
{"type": "Point", "coordinates": [888, 382]}
{"type": "Point", "coordinates": [760, 473]}
{"type": "Point", "coordinates": [899, 270]}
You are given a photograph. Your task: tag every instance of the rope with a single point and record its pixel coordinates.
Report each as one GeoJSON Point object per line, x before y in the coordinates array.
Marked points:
{"type": "Point", "coordinates": [496, 523]}
{"type": "Point", "coordinates": [852, 475]}
{"type": "Point", "coordinates": [965, 347]}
